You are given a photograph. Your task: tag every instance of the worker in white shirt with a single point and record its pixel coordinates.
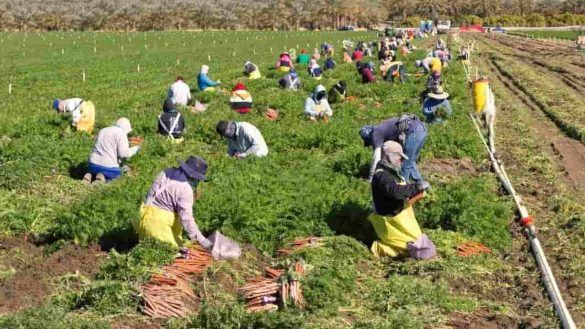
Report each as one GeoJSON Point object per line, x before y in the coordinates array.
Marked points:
{"type": "Point", "coordinates": [82, 112]}
{"type": "Point", "coordinates": [111, 146]}
{"type": "Point", "coordinates": [179, 92]}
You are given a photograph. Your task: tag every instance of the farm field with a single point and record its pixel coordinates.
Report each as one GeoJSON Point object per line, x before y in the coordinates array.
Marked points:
{"type": "Point", "coordinates": [562, 34]}
{"type": "Point", "coordinates": [69, 256]}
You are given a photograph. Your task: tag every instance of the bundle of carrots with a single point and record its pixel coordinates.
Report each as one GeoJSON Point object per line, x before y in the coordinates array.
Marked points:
{"type": "Point", "coordinates": [170, 294]}
{"type": "Point", "coordinates": [274, 288]}
{"type": "Point", "coordinates": [470, 248]}
{"type": "Point", "coordinates": [301, 244]}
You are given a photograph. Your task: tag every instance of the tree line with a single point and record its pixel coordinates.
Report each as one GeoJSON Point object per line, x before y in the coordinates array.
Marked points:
{"type": "Point", "coordinates": [142, 15]}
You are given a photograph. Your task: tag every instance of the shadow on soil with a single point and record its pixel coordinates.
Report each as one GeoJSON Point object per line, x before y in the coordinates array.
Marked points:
{"type": "Point", "coordinates": [351, 219]}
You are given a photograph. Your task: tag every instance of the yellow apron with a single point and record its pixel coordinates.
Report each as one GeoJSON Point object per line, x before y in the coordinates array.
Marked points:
{"type": "Point", "coordinates": [160, 224]}
{"type": "Point", "coordinates": [87, 120]}
{"type": "Point", "coordinates": [255, 75]}
{"type": "Point", "coordinates": [284, 68]}
{"type": "Point", "coordinates": [480, 94]}
{"type": "Point", "coordinates": [394, 233]}
{"type": "Point", "coordinates": [436, 65]}
{"type": "Point", "coordinates": [209, 89]}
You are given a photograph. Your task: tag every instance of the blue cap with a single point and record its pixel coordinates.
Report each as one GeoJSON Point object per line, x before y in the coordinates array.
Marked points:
{"type": "Point", "coordinates": [366, 133]}
{"type": "Point", "coordinates": [56, 104]}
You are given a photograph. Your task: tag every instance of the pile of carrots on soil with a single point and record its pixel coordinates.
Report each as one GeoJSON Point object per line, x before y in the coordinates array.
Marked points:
{"type": "Point", "coordinates": [275, 288]}
{"type": "Point", "coordinates": [300, 244]}
{"type": "Point", "coordinates": [470, 248]}
{"type": "Point", "coordinates": [170, 294]}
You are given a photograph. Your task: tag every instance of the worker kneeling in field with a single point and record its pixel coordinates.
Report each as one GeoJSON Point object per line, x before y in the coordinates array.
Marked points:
{"type": "Point", "coordinates": [338, 92]}
{"type": "Point", "coordinates": [204, 82]}
{"type": "Point", "coordinates": [171, 123]}
{"type": "Point", "coordinates": [179, 92]}
{"type": "Point", "coordinates": [408, 130]}
{"type": "Point", "coordinates": [317, 106]}
{"type": "Point", "coordinates": [291, 81]}
{"type": "Point", "coordinates": [169, 205]}
{"type": "Point", "coordinates": [241, 100]}
{"type": "Point", "coordinates": [82, 112]}
{"type": "Point", "coordinates": [284, 63]}
{"type": "Point", "coordinates": [243, 139]}
{"type": "Point", "coordinates": [111, 146]}
{"type": "Point", "coordinates": [436, 106]}
{"type": "Point", "coordinates": [252, 71]}
{"type": "Point", "coordinates": [393, 219]}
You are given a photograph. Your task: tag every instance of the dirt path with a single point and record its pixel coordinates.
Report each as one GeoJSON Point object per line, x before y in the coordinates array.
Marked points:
{"type": "Point", "coordinates": [569, 153]}
{"type": "Point", "coordinates": [29, 276]}
{"type": "Point", "coordinates": [539, 159]}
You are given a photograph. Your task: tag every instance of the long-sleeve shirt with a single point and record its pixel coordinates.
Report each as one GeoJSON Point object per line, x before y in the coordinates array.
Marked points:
{"type": "Point", "coordinates": [73, 107]}
{"type": "Point", "coordinates": [171, 192]}
{"type": "Point", "coordinates": [313, 109]}
{"type": "Point", "coordinates": [204, 82]}
{"type": "Point", "coordinates": [390, 191]}
{"type": "Point", "coordinates": [431, 106]}
{"type": "Point", "coordinates": [111, 144]}
{"type": "Point", "coordinates": [248, 141]}
{"type": "Point", "coordinates": [180, 93]}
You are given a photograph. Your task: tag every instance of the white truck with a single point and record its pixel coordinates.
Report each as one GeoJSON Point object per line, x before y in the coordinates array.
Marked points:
{"type": "Point", "coordinates": [443, 27]}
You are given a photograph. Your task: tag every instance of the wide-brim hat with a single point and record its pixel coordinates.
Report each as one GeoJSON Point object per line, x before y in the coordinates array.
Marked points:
{"type": "Point", "coordinates": [195, 167]}
{"type": "Point", "coordinates": [439, 94]}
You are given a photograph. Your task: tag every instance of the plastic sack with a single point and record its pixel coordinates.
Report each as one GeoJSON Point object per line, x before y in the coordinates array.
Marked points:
{"type": "Point", "coordinates": [422, 248]}
{"type": "Point", "coordinates": [223, 247]}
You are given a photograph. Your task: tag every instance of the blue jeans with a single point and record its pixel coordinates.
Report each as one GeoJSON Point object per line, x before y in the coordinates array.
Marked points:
{"type": "Point", "coordinates": [109, 173]}
{"type": "Point", "coordinates": [415, 140]}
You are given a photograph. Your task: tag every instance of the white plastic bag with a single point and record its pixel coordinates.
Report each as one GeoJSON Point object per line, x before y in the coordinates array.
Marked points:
{"type": "Point", "coordinates": [223, 247]}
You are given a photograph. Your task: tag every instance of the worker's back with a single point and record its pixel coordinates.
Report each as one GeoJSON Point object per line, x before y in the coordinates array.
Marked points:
{"type": "Point", "coordinates": [105, 150]}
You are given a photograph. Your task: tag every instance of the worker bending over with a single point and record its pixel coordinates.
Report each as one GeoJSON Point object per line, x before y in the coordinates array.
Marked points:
{"type": "Point", "coordinates": [168, 208]}
{"type": "Point", "coordinates": [82, 112]}
{"type": "Point", "coordinates": [243, 139]}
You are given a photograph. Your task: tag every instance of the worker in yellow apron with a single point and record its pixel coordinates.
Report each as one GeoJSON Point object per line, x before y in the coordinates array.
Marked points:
{"type": "Point", "coordinates": [82, 112]}
{"type": "Point", "coordinates": [393, 219]}
{"type": "Point", "coordinates": [168, 208]}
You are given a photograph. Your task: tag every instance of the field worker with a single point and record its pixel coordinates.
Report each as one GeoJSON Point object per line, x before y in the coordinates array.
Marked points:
{"type": "Point", "coordinates": [251, 70]}
{"type": "Point", "coordinates": [435, 64]}
{"type": "Point", "coordinates": [358, 55]}
{"type": "Point", "coordinates": [407, 130]}
{"type": "Point", "coordinates": [110, 147]}
{"type": "Point", "coordinates": [396, 69]}
{"type": "Point", "coordinates": [303, 57]}
{"type": "Point", "coordinates": [316, 55]}
{"type": "Point", "coordinates": [440, 44]}
{"type": "Point", "coordinates": [171, 123]}
{"type": "Point", "coordinates": [241, 100]}
{"type": "Point", "coordinates": [203, 80]}
{"type": "Point", "coordinates": [327, 49]}
{"type": "Point", "coordinates": [168, 208]}
{"type": "Point", "coordinates": [317, 106]}
{"type": "Point", "coordinates": [314, 69]}
{"type": "Point", "coordinates": [367, 72]}
{"type": "Point", "coordinates": [393, 219]}
{"type": "Point", "coordinates": [346, 57]}
{"type": "Point", "coordinates": [424, 63]}
{"type": "Point", "coordinates": [243, 139]}
{"type": "Point", "coordinates": [338, 92]}
{"type": "Point", "coordinates": [82, 112]}
{"type": "Point", "coordinates": [291, 81]}
{"type": "Point", "coordinates": [284, 63]}
{"type": "Point", "coordinates": [329, 64]}
{"type": "Point", "coordinates": [436, 107]}
{"type": "Point", "coordinates": [433, 81]}
{"type": "Point", "coordinates": [179, 92]}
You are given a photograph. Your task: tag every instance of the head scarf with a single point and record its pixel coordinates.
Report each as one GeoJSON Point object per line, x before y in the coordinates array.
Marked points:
{"type": "Point", "coordinates": [239, 86]}
{"type": "Point", "coordinates": [226, 129]}
{"type": "Point", "coordinates": [366, 133]}
{"type": "Point", "coordinates": [124, 124]}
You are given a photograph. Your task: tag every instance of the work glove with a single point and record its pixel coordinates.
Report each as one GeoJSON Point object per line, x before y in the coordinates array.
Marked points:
{"type": "Point", "coordinates": [423, 185]}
